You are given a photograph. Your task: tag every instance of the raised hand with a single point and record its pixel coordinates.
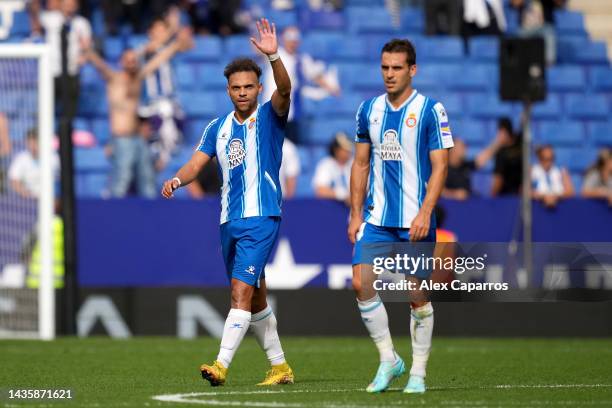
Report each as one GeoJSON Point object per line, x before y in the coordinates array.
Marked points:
{"type": "Point", "coordinates": [267, 44]}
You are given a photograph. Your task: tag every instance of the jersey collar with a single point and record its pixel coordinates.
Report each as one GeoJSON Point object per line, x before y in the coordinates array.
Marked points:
{"type": "Point", "coordinates": [247, 120]}
{"type": "Point", "coordinates": [406, 102]}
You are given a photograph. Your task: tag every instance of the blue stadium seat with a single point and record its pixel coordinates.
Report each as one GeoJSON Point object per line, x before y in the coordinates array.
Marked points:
{"type": "Point", "coordinates": [470, 131]}
{"type": "Point", "coordinates": [566, 78]}
{"type": "Point", "coordinates": [474, 77]}
{"type": "Point", "coordinates": [206, 48]}
{"type": "Point", "coordinates": [21, 24]}
{"type": "Point", "coordinates": [192, 131]}
{"type": "Point", "coordinates": [569, 22]}
{"type": "Point", "coordinates": [601, 78]}
{"type": "Point", "coordinates": [484, 48]}
{"type": "Point", "coordinates": [198, 104]}
{"type": "Point", "coordinates": [439, 49]}
{"type": "Point", "coordinates": [593, 52]}
{"type": "Point", "coordinates": [137, 40]}
{"type": "Point", "coordinates": [560, 133]}
{"type": "Point", "coordinates": [304, 185]}
{"type": "Point", "coordinates": [369, 20]}
{"type": "Point", "coordinates": [80, 123]}
{"type": "Point", "coordinates": [101, 130]}
{"type": "Point", "coordinates": [321, 131]}
{"type": "Point", "coordinates": [583, 106]}
{"type": "Point", "coordinates": [568, 47]}
{"type": "Point", "coordinates": [488, 106]}
{"type": "Point", "coordinates": [354, 76]}
{"type": "Point", "coordinates": [321, 20]}
{"type": "Point", "coordinates": [577, 179]}
{"type": "Point", "coordinates": [185, 76]}
{"type": "Point", "coordinates": [93, 103]}
{"type": "Point", "coordinates": [306, 162]}
{"type": "Point", "coordinates": [281, 18]}
{"type": "Point", "coordinates": [345, 105]}
{"type": "Point", "coordinates": [322, 44]}
{"type": "Point", "coordinates": [549, 109]}
{"type": "Point", "coordinates": [90, 159]}
{"type": "Point", "coordinates": [412, 20]}
{"type": "Point", "coordinates": [600, 133]}
{"type": "Point", "coordinates": [113, 47]}
{"type": "Point", "coordinates": [92, 184]}
{"type": "Point", "coordinates": [481, 183]}
{"type": "Point", "coordinates": [453, 103]}
{"type": "Point", "coordinates": [91, 79]}
{"type": "Point", "coordinates": [575, 159]}
{"type": "Point", "coordinates": [210, 76]}
{"type": "Point", "coordinates": [239, 46]}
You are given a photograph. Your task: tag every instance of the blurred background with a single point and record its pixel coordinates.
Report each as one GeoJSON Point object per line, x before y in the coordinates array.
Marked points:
{"type": "Point", "coordinates": [128, 246]}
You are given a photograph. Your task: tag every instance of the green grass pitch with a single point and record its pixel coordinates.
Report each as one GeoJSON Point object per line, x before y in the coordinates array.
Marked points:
{"type": "Point", "coordinates": [330, 372]}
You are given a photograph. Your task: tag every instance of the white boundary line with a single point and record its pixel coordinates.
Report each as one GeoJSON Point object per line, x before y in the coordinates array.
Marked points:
{"type": "Point", "coordinates": [187, 398]}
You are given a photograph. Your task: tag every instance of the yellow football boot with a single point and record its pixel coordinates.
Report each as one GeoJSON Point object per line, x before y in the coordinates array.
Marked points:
{"type": "Point", "coordinates": [278, 374]}
{"type": "Point", "coordinates": [215, 373]}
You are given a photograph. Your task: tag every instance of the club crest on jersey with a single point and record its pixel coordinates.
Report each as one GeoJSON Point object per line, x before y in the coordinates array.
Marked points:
{"type": "Point", "coordinates": [390, 148]}
{"type": "Point", "coordinates": [411, 121]}
{"type": "Point", "coordinates": [252, 123]}
{"type": "Point", "coordinates": [235, 153]}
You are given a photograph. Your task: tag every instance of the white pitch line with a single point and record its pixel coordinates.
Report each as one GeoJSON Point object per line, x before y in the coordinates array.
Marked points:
{"type": "Point", "coordinates": [187, 397]}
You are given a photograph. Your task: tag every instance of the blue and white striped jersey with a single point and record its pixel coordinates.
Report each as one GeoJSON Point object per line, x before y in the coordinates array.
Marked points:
{"type": "Point", "coordinates": [400, 167]}
{"type": "Point", "coordinates": [249, 157]}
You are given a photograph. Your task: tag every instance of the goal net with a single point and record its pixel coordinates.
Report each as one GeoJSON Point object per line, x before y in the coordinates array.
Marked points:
{"type": "Point", "coordinates": [27, 298]}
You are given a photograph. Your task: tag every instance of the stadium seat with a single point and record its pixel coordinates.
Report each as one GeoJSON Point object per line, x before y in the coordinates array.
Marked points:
{"type": "Point", "coordinates": [481, 183]}
{"type": "Point", "coordinates": [321, 20]}
{"type": "Point", "coordinates": [471, 132]}
{"type": "Point", "coordinates": [113, 47]}
{"type": "Point", "coordinates": [101, 130]}
{"type": "Point", "coordinates": [453, 103]}
{"type": "Point", "coordinates": [21, 24]}
{"type": "Point", "coordinates": [593, 52]}
{"type": "Point", "coordinates": [569, 22]}
{"type": "Point", "coordinates": [92, 184]}
{"type": "Point", "coordinates": [321, 131]}
{"type": "Point", "coordinates": [185, 76]}
{"type": "Point", "coordinates": [412, 20]}
{"type": "Point", "coordinates": [206, 48]}
{"type": "Point", "coordinates": [473, 77]}
{"type": "Point", "coordinates": [601, 79]}
{"type": "Point", "coordinates": [282, 18]}
{"type": "Point", "coordinates": [560, 133]}
{"type": "Point", "coordinates": [575, 159]}
{"type": "Point", "coordinates": [90, 159]}
{"type": "Point", "coordinates": [439, 49]}
{"type": "Point", "coordinates": [198, 104]}
{"type": "Point", "coordinates": [192, 131]}
{"type": "Point", "coordinates": [322, 44]}
{"type": "Point", "coordinates": [568, 46]}
{"type": "Point", "coordinates": [210, 76]}
{"type": "Point", "coordinates": [600, 133]}
{"type": "Point", "coordinates": [369, 20]}
{"type": "Point", "coordinates": [137, 40]}
{"type": "Point", "coordinates": [306, 162]}
{"type": "Point", "coordinates": [583, 106]}
{"type": "Point", "coordinates": [484, 48]}
{"type": "Point", "coordinates": [239, 46]}
{"type": "Point", "coordinates": [549, 109]}
{"type": "Point", "coordinates": [91, 79]}
{"type": "Point", "coordinates": [566, 78]}
{"type": "Point", "coordinates": [488, 106]}
{"type": "Point", "coordinates": [344, 106]}
{"type": "Point", "coordinates": [81, 123]}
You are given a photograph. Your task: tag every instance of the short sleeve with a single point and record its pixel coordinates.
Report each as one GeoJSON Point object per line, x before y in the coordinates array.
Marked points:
{"type": "Point", "coordinates": [362, 133]}
{"type": "Point", "coordinates": [208, 143]}
{"type": "Point", "coordinates": [14, 171]}
{"type": "Point", "coordinates": [323, 176]}
{"type": "Point", "coordinates": [439, 134]}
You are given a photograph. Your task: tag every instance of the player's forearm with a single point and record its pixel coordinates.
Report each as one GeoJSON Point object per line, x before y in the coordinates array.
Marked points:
{"type": "Point", "coordinates": [359, 180]}
{"type": "Point", "coordinates": [188, 173]}
{"type": "Point", "coordinates": [281, 78]}
{"type": "Point", "coordinates": [435, 186]}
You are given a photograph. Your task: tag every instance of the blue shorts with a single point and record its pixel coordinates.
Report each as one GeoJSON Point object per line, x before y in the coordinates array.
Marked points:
{"type": "Point", "coordinates": [247, 244]}
{"type": "Point", "coordinates": [373, 234]}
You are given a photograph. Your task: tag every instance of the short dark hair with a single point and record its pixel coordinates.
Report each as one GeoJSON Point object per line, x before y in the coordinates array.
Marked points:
{"type": "Point", "coordinates": [543, 147]}
{"type": "Point", "coordinates": [32, 133]}
{"type": "Point", "coordinates": [399, 45]}
{"type": "Point", "coordinates": [506, 124]}
{"type": "Point", "coordinates": [242, 65]}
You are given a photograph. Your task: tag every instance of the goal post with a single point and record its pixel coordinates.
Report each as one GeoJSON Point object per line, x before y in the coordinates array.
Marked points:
{"type": "Point", "coordinates": [21, 64]}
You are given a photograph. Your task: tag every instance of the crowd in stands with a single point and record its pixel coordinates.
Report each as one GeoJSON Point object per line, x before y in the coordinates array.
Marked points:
{"type": "Point", "coordinates": [147, 123]}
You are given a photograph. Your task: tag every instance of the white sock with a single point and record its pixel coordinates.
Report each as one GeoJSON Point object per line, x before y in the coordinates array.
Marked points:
{"type": "Point", "coordinates": [236, 325]}
{"type": "Point", "coordinates": [421, 329]}
{"type": "Point", "coordinates": [263, 325]}
{"type": "Point", "coordinates": [374, 316]}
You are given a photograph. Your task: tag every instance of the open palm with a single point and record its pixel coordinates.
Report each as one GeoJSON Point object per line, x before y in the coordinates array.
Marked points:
{"type": "Point", "coordinates": [267, 44]}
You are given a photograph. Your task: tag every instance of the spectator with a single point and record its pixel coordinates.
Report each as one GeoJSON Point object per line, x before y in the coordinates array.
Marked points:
{"type": "Point", "coordinates": [508, 170]}
{"type": "Point", "coordinates": [290, 169]}
{"type": "Point", "coordinates": [301, 69]}
{"type": "Point", "coordinates": [129, 149]}
{"type": "Point", "coordinates": [5, 150]}
{"type": "Point", "coordinates": [118, 11]}
{"type": "Point", "coordinates": [483, 17]}
{"type": "Point", "coordinates": [160, 105]}
{"type": "Point", "coordinates": [207, 182]}
{"type": "Point", "coordinates": [68, 35]}
{"type": "Point", "coordinates": [550, 183]}
{"type": "Point", "coordinates": [598, 180]}
{"type": "Point", "coordinates": [333, 173]}
{"type": "Point", "coordinates": [443, 17]}
{"type": "Point", "coordinates": [24, 171]}
{"type": "Point", "coordinates": [459, 180]}
{"type": "Point", "coordinates": [537, 19]}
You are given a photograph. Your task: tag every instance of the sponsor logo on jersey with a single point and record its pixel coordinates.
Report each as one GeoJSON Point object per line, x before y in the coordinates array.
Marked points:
{"type": "Point", "coordinates": [411, 121]}
{"type": "Point", "coordinates": [445, 129]}
{"type": "Point", "coordinates": [235, 153]}
{"type": "Point", "coordinates": [390, 148]}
